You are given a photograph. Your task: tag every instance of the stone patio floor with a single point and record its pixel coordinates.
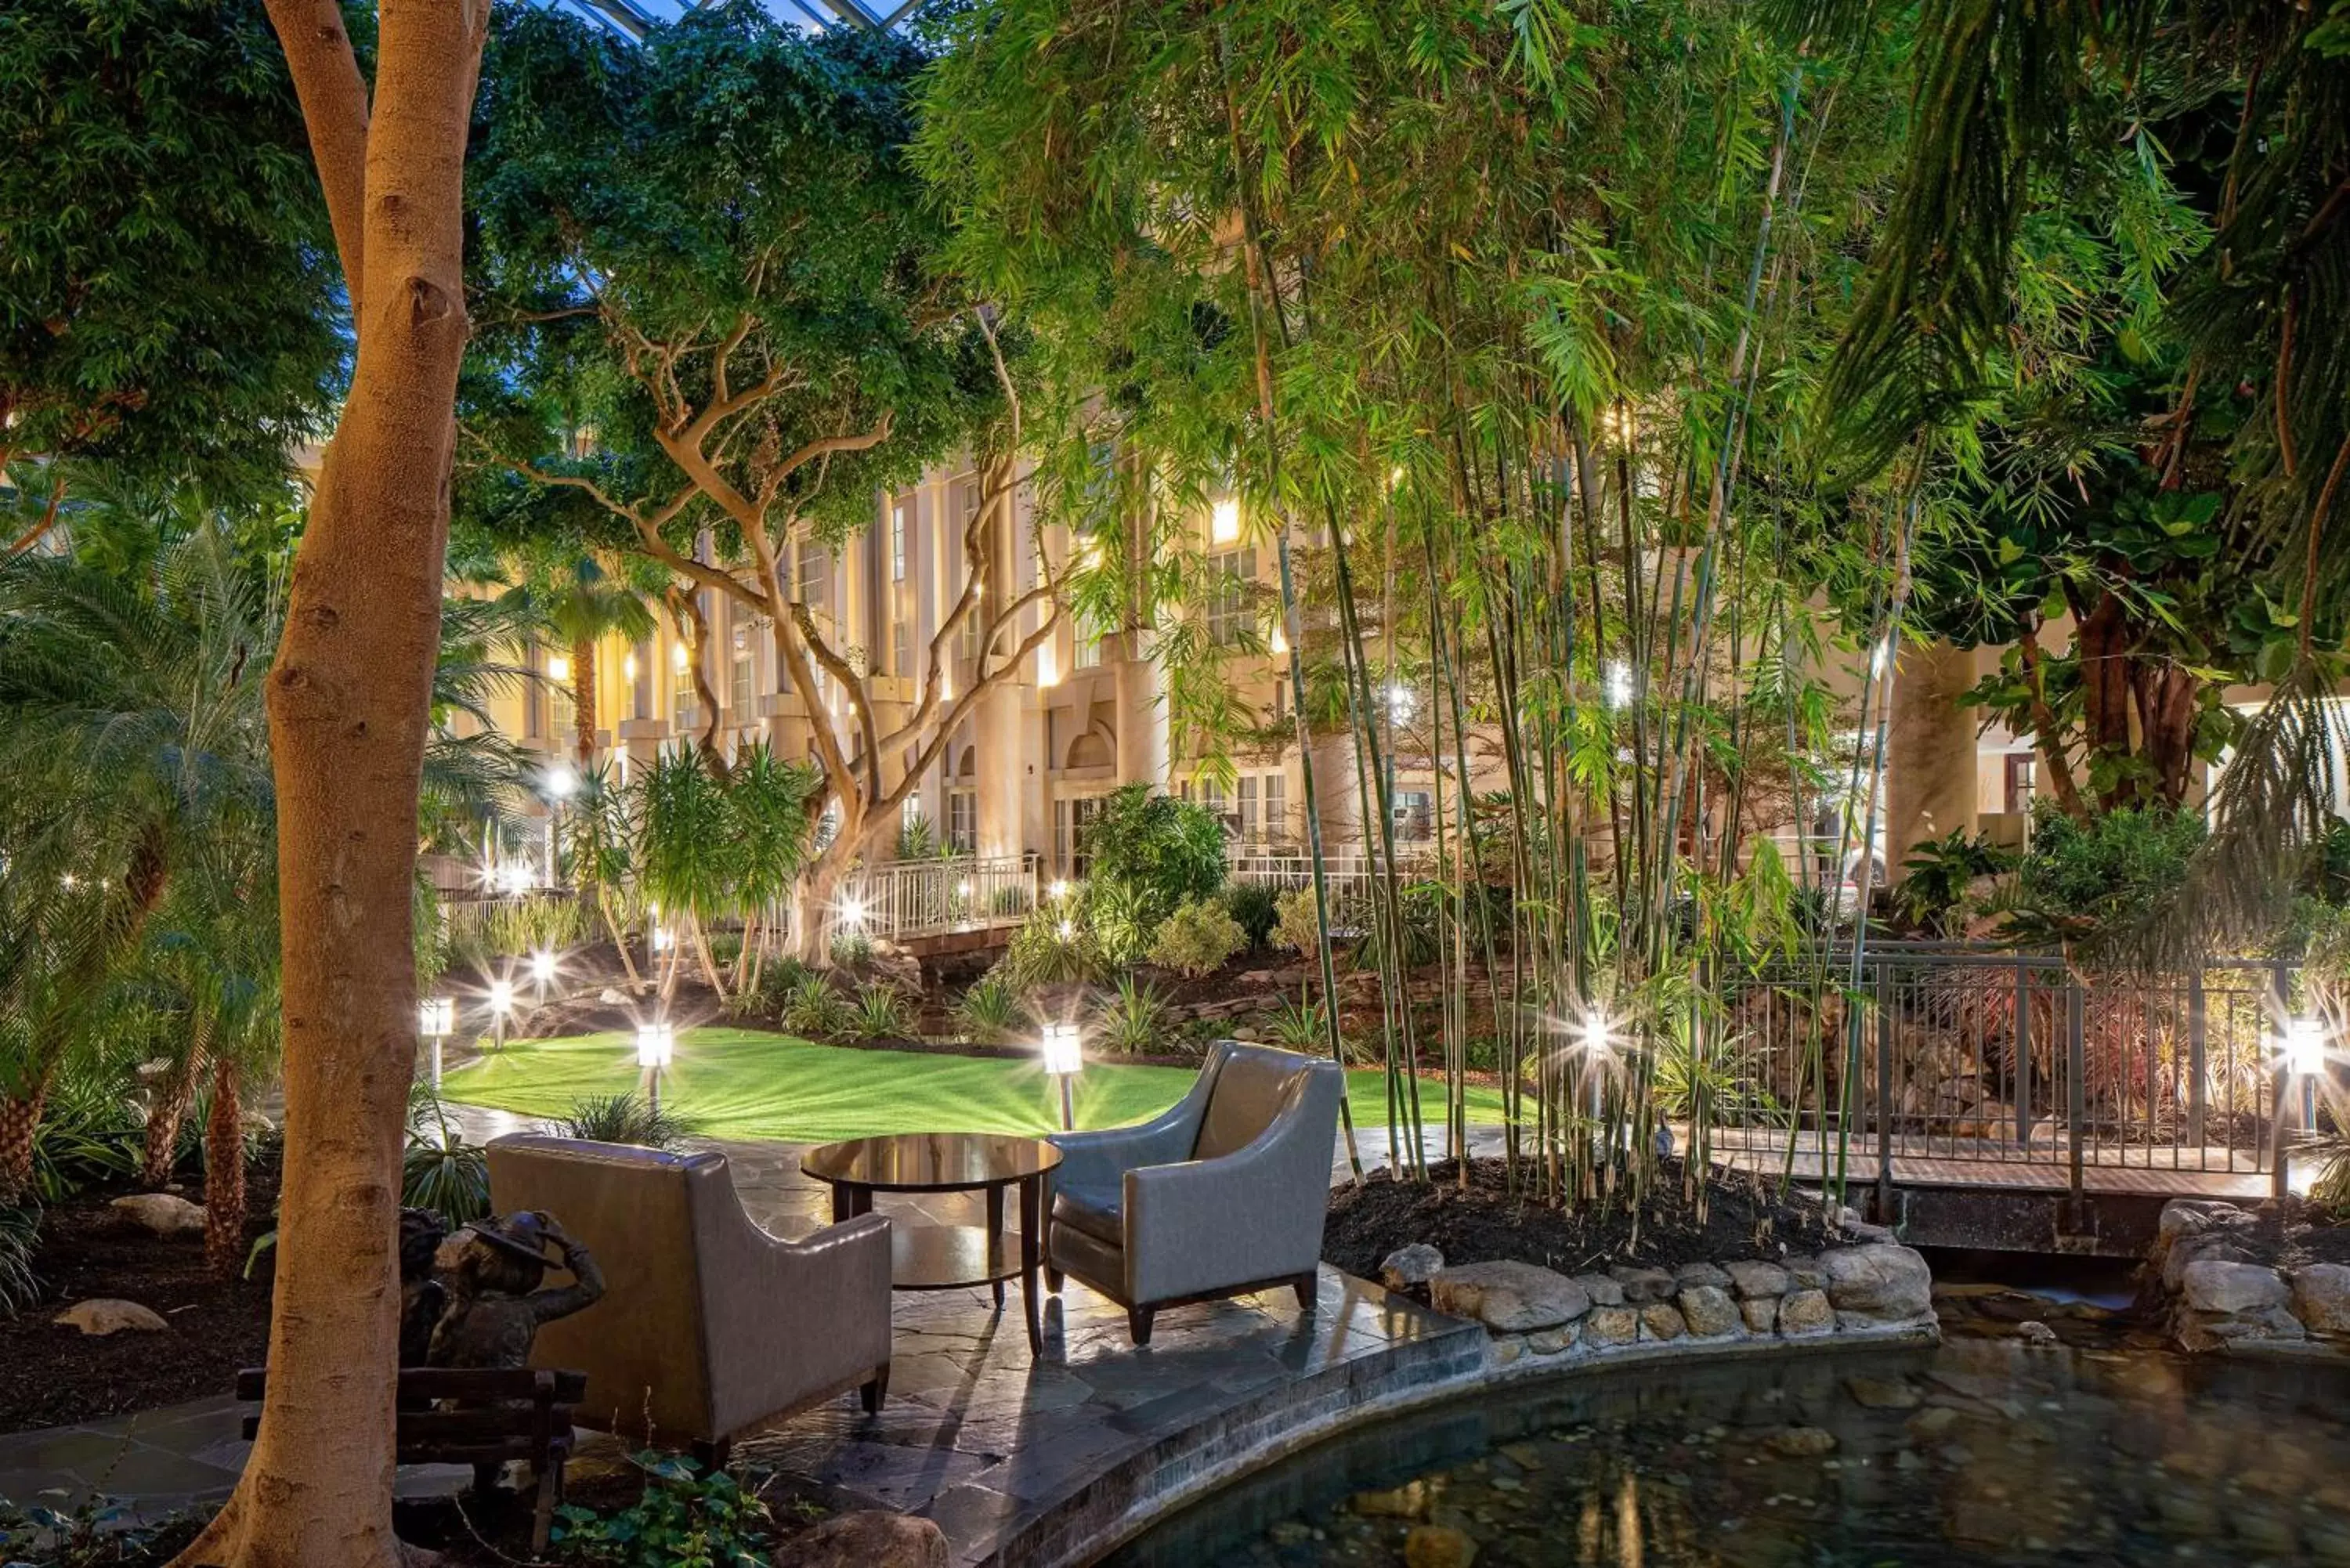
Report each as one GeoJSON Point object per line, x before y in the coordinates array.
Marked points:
{"type": "Point", "coordinates": [1021, 1459]}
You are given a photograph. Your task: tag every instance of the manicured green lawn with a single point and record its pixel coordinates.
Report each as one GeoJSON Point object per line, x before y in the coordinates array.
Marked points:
{"type": "Point", "coordinates": [746, 1083]}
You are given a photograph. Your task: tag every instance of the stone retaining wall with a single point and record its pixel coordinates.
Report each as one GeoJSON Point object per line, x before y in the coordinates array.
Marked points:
{"type": "Point", "coordinates": [2222, 1295]}
{"type": "Point", "coordinates": [1877, 1290]}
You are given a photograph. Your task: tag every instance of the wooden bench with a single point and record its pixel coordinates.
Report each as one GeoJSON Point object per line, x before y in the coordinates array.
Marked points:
{"type": "Point", "coordinates": [521, 1414]}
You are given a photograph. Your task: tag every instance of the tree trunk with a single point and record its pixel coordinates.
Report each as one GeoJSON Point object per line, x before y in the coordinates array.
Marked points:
{"type": "Point", "coordinates": [620, 942]}
{"type": "Point", "coordinates": [20, 1119]}
{"type": "Point", "coordinates": [349, 698]}
{"type": "Point", "coordinates": [812, 901]}
{"type": "Point", "coordinates": [170, 1108]}
{"type": "Point", "coordinates": [583, 701]}
{"type": "Point", "coordinates": [225, 1174]}
{"type": "Point", "coordinates": [702, 953]}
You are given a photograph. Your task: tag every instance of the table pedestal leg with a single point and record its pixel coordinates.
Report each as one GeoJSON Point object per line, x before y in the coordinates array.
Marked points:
{"type": "Point", "coordinates": [1032, 1243]}
{"type": "Point", "coordinates": [996, 1237]}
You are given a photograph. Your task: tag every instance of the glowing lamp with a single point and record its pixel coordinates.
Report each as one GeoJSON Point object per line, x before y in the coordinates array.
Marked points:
{"type": "Point", "coordinates": [2304, 1046]}
{"type": "Point", "coordinates": [1594, 1031]}
{"type": "Point", "coordinates": [679, 658]}
{"type": "Point", "coordinates": [561, 781]}
{"type": "Point", "coordinates": [1619, 685]}
{"type": "Point", "coordinates": [436, 1017]}
{"type": "Point", "coordinates": [1059, 890]}
{"type": "Point", "coordinates": [502, 996]}
{"type": "Point", "coordinates": [852, 911]}
{"type": "Point", "coordinates": [656, 1045]}
{"type": "Point", "coordinates": [557, 667]}
{"type": "Point", "coordinates": [629, 668]}
{"type": "Point", "coordinates": [663, 938]}
{"type": "Point", "coordinates": [1064, 1057]}
{"type": "Point", "coordinates": [1224, 522]}
{"type": "Point", "coordinates": [1068, 930]}
{"type": "Point", "coordinates": [542, 967]}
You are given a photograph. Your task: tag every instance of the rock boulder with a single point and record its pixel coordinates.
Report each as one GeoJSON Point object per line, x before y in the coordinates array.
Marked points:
{"type": "Point", "coordinates": [1882, 1283]}
{"type": "Point", "coordinates": [104, 1315]}
{"type": "Point", "coordinates": [161, 1214]}
{"type": "Point", "coordinates": [1508, 1296]}
{"type": "Point", "coordinates": [2321, 1298]}
{"type": "Point", "coordinates": [870, 1538]}
{"type": "Point", "coordinates": [1408, 1266]}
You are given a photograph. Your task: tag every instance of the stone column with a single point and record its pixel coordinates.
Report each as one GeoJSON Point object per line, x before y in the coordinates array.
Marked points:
{"type": "Point", "coordinates": [999, 771]}
{"type": "Point", "coordinates": [1141, 716]}
{"type": "Point", "coordinates": [1929, 782]}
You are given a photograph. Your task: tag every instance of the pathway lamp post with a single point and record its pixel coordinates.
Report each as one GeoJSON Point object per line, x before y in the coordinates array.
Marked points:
{"type": "Point", "coordinates": [436, 1019]}
{"type": "Point", "coordinates": [543, 967]}
{"type": "Point", "coordinates": [655, 1048]}
{"type": "Point", "coordinates": [1064, 1058]}
{"type": "Point", "coordinates": [2305, 1060]}
{"type": "Point", "coordinates": [502, 1001]}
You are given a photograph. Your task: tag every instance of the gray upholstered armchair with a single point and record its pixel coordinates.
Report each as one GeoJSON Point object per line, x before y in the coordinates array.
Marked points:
{"type": "Point", "coordinates": [709, 1326]}
{"type": "Point", "coordinates": [1223, 1195]}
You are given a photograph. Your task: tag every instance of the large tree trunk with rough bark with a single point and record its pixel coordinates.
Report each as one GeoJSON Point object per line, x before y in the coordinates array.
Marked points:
{"type": "Point", "coordinates": [224, 1173]}
{"type": "Point", "coordinates": [348, 711]}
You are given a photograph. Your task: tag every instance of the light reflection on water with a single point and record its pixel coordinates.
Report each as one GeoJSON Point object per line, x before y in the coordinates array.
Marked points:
{"type": "Point", "coordinates": [1982, 1452]}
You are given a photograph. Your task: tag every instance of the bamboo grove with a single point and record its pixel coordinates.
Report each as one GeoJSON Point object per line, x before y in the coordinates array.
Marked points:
{"type": "Point", "coordinates": [1526, 336]}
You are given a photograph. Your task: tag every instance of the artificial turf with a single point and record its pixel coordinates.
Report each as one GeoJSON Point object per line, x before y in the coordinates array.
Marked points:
{"type": "Point", "coordinates": [747, 1084]}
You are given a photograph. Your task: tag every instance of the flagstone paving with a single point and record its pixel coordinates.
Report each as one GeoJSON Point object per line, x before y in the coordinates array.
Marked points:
{"type": "Point", "coordinates": [1022, 1458]}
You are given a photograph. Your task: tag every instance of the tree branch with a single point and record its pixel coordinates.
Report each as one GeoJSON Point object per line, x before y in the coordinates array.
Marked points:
{"type": "Point", "coordinates": [334, 101]}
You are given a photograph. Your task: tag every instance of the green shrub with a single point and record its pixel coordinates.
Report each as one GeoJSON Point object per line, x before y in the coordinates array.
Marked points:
{"type": "Point", "coordinates": [2083, 882]}
{"type": "Point", "coordinates": [20, 1234]}
{"type": "Point", "coordinates": [1932, 893]}
{"type": "Point", "coordinates": [882, 1012]}
{"type": "Point", "coordinates": [626, 1117]}
{"type": "Point", "coordinates": [851, 949]}
{"type": "Point", "coordinates": [1162, 849]}
{"type": "Point", "coordinates": [1197, 938]}
{"type": "Point", "coordinates": [917, 840]}
{"type": "Point", "coordinates": [1294, 924]}
{"type": "Point", "coordinates": [1299, 1025]}
{"type": "Point", "coordinates": [989, 1012]}
{"type": "Point", "coordinates": [1050, 948]}
{"type": "Point", "coordinates": [815, 1009]}
{"type": "Point", "coordinates": [441, 1170]}
{"type": "Point", "coordinates": [725, 947]}
{"type": "Point", "coordinates": [1131, 1019]}
{"type": "Point", "coordinates": [482, 934]}
{"type": "Point", "coordinates": [1124, 921]}
{"type": "Point", "coordinates": [1253, 904]}
{"type": "Point", "coordinates": [687, 1518]}
{"type": "Point", "coordinates": [90, 1133]}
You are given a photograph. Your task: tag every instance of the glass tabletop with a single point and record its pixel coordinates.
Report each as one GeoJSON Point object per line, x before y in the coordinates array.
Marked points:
{"type": "Point", "coordinates": [925, 1162]}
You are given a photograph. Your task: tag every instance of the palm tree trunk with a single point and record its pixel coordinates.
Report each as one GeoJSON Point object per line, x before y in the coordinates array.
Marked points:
{"type": "Point", "coordinates": [702, 953]}
{"type": "Point", "coordinates": [20, 1120]}
{"type": "Point", "coordinates": [225, 1174]}
{"type": "Point", "coordinates": [172, 1096]}
{"type": "Point", "coordinates": [620, 942]}
{"type": "Point", "coordinates": [583, 700]}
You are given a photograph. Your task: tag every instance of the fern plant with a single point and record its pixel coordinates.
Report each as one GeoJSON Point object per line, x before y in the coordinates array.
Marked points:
{"type": "Point", "coordinates": [815, 1009]}
{"type": "Point", "coordinates": [882, 1012]}
{"type": "Point", "coordinates": [989, 1012]}
{"type": "Point", "coordinates": [627, 1118]}
{"type": "Point", "coordinates": [1132, 1018]}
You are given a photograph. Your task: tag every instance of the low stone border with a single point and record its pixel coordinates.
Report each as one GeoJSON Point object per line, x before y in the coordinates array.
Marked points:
{"type": "Point", "coordinates": [1878, 1290]}
{"type": "Point", "coordinates": [1538, 1324]}
{"type": "Point", "coordinates": [2220, 1297]}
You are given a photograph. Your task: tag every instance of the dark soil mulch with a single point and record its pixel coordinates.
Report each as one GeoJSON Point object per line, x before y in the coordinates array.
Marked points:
{"type": "Point", "coordinates": [2292, 1233]}
{"type": "Point", "coordinates": [51, 1375]}
{"type": "Point", "coordinates": [1743, 1219]}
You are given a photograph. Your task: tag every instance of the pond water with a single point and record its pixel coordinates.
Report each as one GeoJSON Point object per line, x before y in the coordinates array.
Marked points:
{"type": "Point", "coordinates": [1984, 1452]}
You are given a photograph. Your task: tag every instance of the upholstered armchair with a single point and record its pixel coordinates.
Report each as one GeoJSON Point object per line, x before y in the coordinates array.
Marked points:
{"type": "Point", "coordinates": [709, 1326]}
{"type": "Point", "coordinates": [1223, 1195]}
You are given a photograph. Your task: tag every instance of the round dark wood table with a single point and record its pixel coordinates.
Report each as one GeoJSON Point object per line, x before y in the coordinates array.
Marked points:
{"type": "Point", "coordinates": [924, 1257]}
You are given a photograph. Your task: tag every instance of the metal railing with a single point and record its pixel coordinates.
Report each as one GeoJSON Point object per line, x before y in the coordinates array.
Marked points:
{"type": "Point", "coordinates": [904, 898]}
{"type": "Point", "coordinates": [1962, 1055]}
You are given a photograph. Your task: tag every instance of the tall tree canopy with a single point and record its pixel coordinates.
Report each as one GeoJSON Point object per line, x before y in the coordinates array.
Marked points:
{"type": "Point", "coordinates": [168, 298]}
{"type": "Point", "coordinates": [710, 328]}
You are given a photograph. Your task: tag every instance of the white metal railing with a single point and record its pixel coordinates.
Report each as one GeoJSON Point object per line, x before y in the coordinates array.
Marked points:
{"type": "Point", "coordinates": [905, 898]}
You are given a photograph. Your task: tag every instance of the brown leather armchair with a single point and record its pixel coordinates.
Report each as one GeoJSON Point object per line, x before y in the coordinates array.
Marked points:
{"type": "Point", "coordinates": [1223, 1195]}
{"type": "Point", "coordinates": [709, 1326]}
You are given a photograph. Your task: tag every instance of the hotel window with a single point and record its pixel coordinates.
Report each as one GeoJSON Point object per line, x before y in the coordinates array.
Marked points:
{"type": "Point", "coordinates": [1087, 652]}
{"type": "Point", "coordinates": [816, 575]}
{"type": "Point", "coordinates": [902, 639]}
{"type": "Point", "coordinates": [1230, 573]}
{"type": "Point", "coordinates": [1274, 788]}
{"type": "Point", "coordinates": [1415, 820]}
{"type": "Point", "coordinates": [682, 693]}
{"type": "Point", "coordinates": [743, 672]}
{"type": "Point", "coordinates": [640, 672]}
{"type": "Point", "coordinates": [538, 697]}
{"type": "Point", "coordinates": [1252, 826]}
{"type": "Point", "coordinates": [902, 522]}
{"type": "Point", "coordinates": [1212, 798]}
{"type": "Point", "coordinates": [963, 822]}
{"type": "Point", "coordinates": [1071, 818]}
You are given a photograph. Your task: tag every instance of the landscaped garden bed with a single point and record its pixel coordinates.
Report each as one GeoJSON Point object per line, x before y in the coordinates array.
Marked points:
{"type": "Point", "coordinates": [52, 1374]}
